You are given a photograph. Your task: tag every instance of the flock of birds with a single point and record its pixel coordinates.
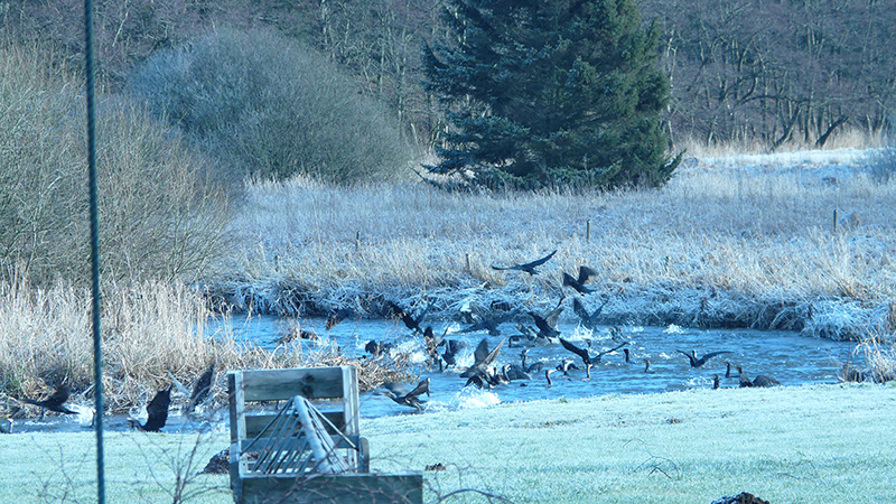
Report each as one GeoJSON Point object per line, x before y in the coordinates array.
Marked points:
{"type": "Point", "coordinates": [442, 351]}
{"type": "Point", "coordinates": [156, 409]}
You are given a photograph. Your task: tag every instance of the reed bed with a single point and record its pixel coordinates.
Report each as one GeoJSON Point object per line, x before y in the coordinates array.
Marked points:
{"type": "Point", "coordinates": [791, 241]}
{"type": "Point", "coordinates": [149, 330]}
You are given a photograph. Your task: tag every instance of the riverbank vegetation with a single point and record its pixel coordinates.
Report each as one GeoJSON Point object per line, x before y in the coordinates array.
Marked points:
{"type": "Point", "coordinates": [680, 447]}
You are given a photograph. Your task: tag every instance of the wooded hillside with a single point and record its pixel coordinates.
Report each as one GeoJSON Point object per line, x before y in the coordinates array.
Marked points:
{"type": "Point", "coordinates": [755, 70]}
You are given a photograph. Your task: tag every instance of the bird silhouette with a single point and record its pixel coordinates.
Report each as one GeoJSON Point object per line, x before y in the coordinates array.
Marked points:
{"type": "Point", "coordinates": [156, 411]}
{"type": "Point", "coordinates": [759, 381]}
{"type": "Point", "coordinates": [588, 359]}
{"type": "Point", "coordinates": [528, 267]}
{"type": "Point", "coordinates": [411, 322]}
{"type": "Point", "coordinates": [6, 426]}
{"type": "Point", "coordinates": [585, 273]}
{"type": "Point", "coordinates": [54, 402]}
{"type": "Point", "coordinates": [490, 324]}
{"type": "Point", "coordinates": [399, 394]}
{"type": "Point", "coordinates": [338, 316]}
{"type": "Point", "coordinates": [589, 320]}
{"type": "Point", "coordinates": [715, 382]}
{"type": "Point", "coordinates": [695, 362]}
{"type": "Point", "coordinates": [202, 387]}
{"type": "Point", "coordinates": [482, 360]}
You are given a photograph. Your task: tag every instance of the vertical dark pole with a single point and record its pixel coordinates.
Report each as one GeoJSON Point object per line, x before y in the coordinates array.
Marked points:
{"type": "Point", "coordinates": [94, 253]}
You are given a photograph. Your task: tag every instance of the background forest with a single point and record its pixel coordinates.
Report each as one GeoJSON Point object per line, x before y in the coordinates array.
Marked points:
{"type": "Point", "coordinates": [766, 72]}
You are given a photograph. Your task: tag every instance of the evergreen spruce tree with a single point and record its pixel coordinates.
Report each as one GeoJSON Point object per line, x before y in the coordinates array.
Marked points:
{"type": "Point", "coordinates": [551, 92]}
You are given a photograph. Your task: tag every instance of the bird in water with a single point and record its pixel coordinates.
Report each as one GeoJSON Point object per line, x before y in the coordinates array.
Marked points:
{"type": "Point", "coordinates": [547, 376]}
{"type": "Point", "coordinates": [727, 369]}
{"type": "Point", "coordinates": [338, 316]}
{"type": "Point", "coordinates": [528, 267]}
{"type": "Point", "coordinates": [588, 359]}
{"type": "Point", "coordinates": [585, 273]}
{"type": "Point", "coordinates": [410, 321]}
{"type": "Point", "coordinates": [759, 381]}
{"type": "Point", "coordinates": [482, 361]}
{"type": "Point", "coordinates": [6, 426]}
{"type": "Point", "coordinates": [547, 324]}
{"type": "Point", "coordinates": [399, 394]}
{"type": "Point", "coordinates": [715, 382]}
{"type": "Point", "coordinates": [695, 362]}
{"type": "Point", "coordinates": [627, 353]}
{"type": "Point", "coordinates": [646, 366]}
{"type": "Point", "coordinates": [54, 402]}
{"type": "Point", "coordinates": [589, 320]}
{"type": "Point", "coordinates": [156, 412]}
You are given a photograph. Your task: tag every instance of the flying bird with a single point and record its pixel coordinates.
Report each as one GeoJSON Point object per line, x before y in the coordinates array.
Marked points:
{"type": "Point", "coordinates": [411, 322]}
{"type": "Point", "coordinates": [585, 273]}
{"type": "Point", "coordinates": [399, 394]}
{"type": "Point", "coordinates": [156, 411]}
{"type": "Point", "coordinates": [695, 362]}
{"type": "Point", "coordinates": [589, 320]}
{"type": "Point", "coordinates": [483, 359]}
{"type": "Point", "coordinates": [54, 402]}
{"type": "Point", "coordinates": [491, 324]}
{"type": "Point", "coordinates": [528, 267]}
{"type": "Point", "coordinates": [588, 359]}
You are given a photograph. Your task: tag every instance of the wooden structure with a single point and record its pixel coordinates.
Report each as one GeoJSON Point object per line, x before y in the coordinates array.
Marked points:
{"type": "Point", "coordinates": [295, 439]}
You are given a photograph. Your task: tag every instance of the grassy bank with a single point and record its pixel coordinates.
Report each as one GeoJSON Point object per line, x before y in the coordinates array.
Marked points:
{"type": "Point", "coordinates": [746, 241]}
{"type": "Point", "coordinates": [678, 447]}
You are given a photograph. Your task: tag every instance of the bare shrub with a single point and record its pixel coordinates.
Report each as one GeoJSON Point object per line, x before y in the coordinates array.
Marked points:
{"type": "Point", "coordinates": [158, 217]}
{"type": "Point", "coordinates": [267, 106]}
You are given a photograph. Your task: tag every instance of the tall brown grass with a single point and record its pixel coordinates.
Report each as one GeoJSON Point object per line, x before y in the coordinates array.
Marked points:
{"type": "Point", "coordinates": [150, 329]}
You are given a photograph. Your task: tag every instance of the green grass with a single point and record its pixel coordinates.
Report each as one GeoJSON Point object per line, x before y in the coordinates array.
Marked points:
{"type": "Point", "coordinates": [823, 443]}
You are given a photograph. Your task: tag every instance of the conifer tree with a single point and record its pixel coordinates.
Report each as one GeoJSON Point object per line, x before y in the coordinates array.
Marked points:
{"type": "Point", "coordinates": [550, 92]}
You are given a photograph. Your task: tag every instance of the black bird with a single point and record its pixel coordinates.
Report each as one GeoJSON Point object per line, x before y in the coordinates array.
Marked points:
{"type": "Point", "coordinates": [202, 387]}
{"type": "Point", "coordinates": [411, 322]}
{"type": "Point", "coordinates": [727, 369]}
{"type": "Point", "coordinates": [399, 394]}
{"type": "Point", "coordinates": [374, 347]}
{"type": "Point", "coordinates": [715, 382]}
{"type": "Point", "coordinates": [646, 366]}
{"type": "Point", "coordinates": [341, 314]}
{"type": "Point", "coordinates": [759, 381]}
{"type": "Point", "coordinates": [6, 426]}
{"type": "Point", "coordinates": [547, 325]}
{"type": "Point", "coordinates": [451, 349]}
{"type": "Point", "coordinates": [297, 334]}
{"type": "Point", "coordinates": [527, 267]}
{"type": "Point", "coordinates": [628, 357]}
{"type": "Point", "coordinates": [589, 320]}
{"type": "Point", "coordinates": [483, 359]}
{"type": "Point", "coordinates": [55, 402]}
{"type": "Point", "coordinates": [585, 273]}
{"type": "Point", "coordinates": [156, 411]}
{"type": "Point", "coordinates": [695, 362]}
{"type": "Point", "coordinates": [534, 368]}
{"type": "Point", "coordinates": [432, 344]}
{"type": "Point", "coordinates": [589, 360]}
{"type": "Point", "coordinates": [491, 325]}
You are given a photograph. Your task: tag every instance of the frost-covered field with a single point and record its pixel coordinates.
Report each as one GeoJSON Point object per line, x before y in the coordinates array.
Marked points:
{"type": "Point", "coordinates": [676, 447]}
{"type": "Point", "coordinates": [739, 240]}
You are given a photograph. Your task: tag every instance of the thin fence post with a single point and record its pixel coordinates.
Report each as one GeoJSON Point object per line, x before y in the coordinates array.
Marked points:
{"type": "Point", "coordinates": [94, 251]}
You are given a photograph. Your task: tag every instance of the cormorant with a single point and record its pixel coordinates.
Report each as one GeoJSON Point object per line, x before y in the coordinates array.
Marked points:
{"type": "Point", "coordinates": [490, 325]}
{"type": "Point", "coordinates": [585, 273]}
{"type": "Point", "coordinates": [527, 267]}
{"type": "Point", "coordinates": [589, 360]}
{"type": "Point", "coordinates": [715, 382]}
{"type": "Point", "coordinates": [589, 320]}
{"type": "Point", "coordinates": [156, 412]}
{"type": "Point", "coordinates": [411, 322]}
{"type": "Point", "coordinates": [547, 375]}
{"type": "Point", "coordinates": [628, 357]}
{"type": "Point", "coordinates": [399, 394]}
{"type": "Point", "coordinates": [646, 366]}
{"type": "Point", "coordinates": [202, 387]}
{"type": "Point", "coordinates": [6, 426]}
{"type": "Point", "coordinates": [55, 402]}
{"type": "Point", "coordinates": [727, 369]}
{"type": "Point", "coordinates": [759, 381]}
{"type": "Point", "coordinates": [482, 360]}
{"type": "Point", "coordinates": [512, 372]}
{"type": "Point", "coordinates": [695, 362]}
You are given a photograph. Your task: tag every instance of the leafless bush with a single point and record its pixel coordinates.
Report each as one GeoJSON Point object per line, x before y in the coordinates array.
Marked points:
{"type": "Point", "coordinates": [158, 217]}
{"type": "Point", "coordinates": [266, 106]}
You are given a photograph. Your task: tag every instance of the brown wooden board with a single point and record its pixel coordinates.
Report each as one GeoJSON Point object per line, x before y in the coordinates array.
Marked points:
{"type": "Point", "coordinates": [354, 488]}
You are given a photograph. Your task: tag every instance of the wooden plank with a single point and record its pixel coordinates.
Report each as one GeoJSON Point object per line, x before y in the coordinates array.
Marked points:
{"type": "Point", "coordinates": [237, 405]}
{"type": "Point", "coordinates": [281, 384]}
{"type": "Point", "coordinates": [350, 488]}
{"type": "Point", "coordinates": [256, 422]}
